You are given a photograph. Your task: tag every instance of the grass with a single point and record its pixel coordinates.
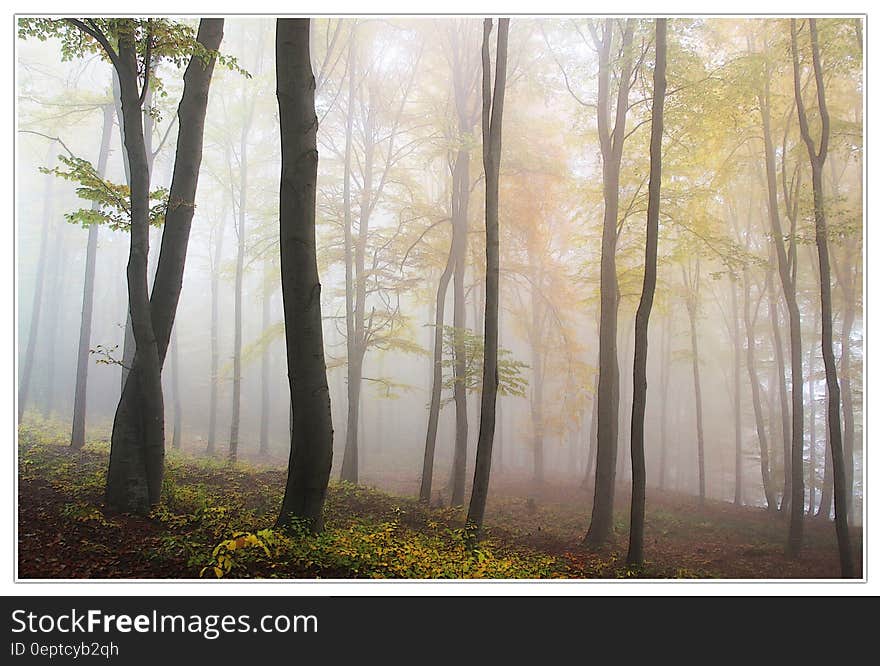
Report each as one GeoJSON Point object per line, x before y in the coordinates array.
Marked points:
{"type": "Point", "coordinates": [215, 521]}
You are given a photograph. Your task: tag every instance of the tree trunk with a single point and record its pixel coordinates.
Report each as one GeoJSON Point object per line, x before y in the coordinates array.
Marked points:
{"type": "Point", "coordinates": [27, 366]}
{"type": "Point", "coordinates": [536, 344]}
{"type": "Point", "coordinates": [311, 442]}
{"type": "Point", "coordinates": [795, 475]}
{"type": "Point", "coordinates": [611, 144]}
{"type": "Point", "coordinates": [349, 470]}
{"type": "Point", "coordinates": [78, 429]}
{"type": "Point", "coordinates": [264, 361]}
{"type": "Point", "coordinates": [737, 395]}
{"type": "Point", "coordinates": [128, 336]}
{"type": "Point", "coordinates": [493, 107]}
{"type": "Point", "coordinates": [635, 553]}
{"type": "Point", "coordinates": [177, 410]}
{"type": "Point", "coordinates": [695, 366]}
{"type": "Point", "coordinates": [215, 334]}
{"type": "Point", "coordinates": [782, 382]}
{"type": "Point", "coordinates": [137, 452]}
{"type": "Point", "coordinates": [817, 161]}
{"type": "Point", "coordinates": [436, 382]}
{"type": "Point", "coordinates": [241, 233]}
{"type": "Point", "coordinates": [461, 189]}
{"type": "Point", "coordinates": [846, 393]}
{"type": "Point", "coordinates": [54, 303]}
{"type": "Point", "coordinates": [665, 371]}
{"type": "Point", "coordinates": [812, 380]}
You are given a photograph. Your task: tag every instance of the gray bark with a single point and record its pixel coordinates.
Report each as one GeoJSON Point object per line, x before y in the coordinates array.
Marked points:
{"type": "Point", "coordinates": [635, 553]}
{"type": "Point", "coordinates": [611, 141]}
{"type": "Point", "coordinates": [311, 442]}
{"type": "Point", "coordinates": [493, 107]}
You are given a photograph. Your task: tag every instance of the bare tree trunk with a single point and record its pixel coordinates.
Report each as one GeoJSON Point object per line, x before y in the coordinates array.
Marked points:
{"type": "Point", "coordinates": [264, 360]}
{"type": "Point", "coordinates": [812, 380]}
{"type": "Point", "coordinates": [78, 429]}
{"type": "Point", "coordinates": [536, 344]}
{"type": "Point", "coordinates": [827, 498]}
{"type": "Point", "coordinates": [357, 346]}
{"type": "Point", "coordinates": [54, 303]}
{"type": "Point", "coordinates": [215, 333]}
{"type": "Point", "coordinates": [782, 382]}
{"type": "Point", "coordinates": [635, 553]}
{"type": "Point", "coordinates": [611, 144]}
{"type": "Point", "coordinates": [436, 383]}
{"type": "Point", "coordinates": [241, 234]}
{"type": "Point", "coordinates": [461, 186]}
{"type": "Point", "coordinates": [493, 108]}
{"type": "Point", "coordinates": [817, 161]}
{"type": "Point", "coordinates": [695, 365]}
{"type": "Point", "coordinates": [845, 282]}
{"type": "Point", "coordinates": [351, 341]}
{"type": "Point", "coordinates": [27, 366]}
{"type": "Point", "coordinates": [665, 372]}
{"type": "Point", "coordinates": [784, 262]}
{"type": "Point", "coordinates": [311, 443]}
{"type": "Point", "coordinates": [737, 395]}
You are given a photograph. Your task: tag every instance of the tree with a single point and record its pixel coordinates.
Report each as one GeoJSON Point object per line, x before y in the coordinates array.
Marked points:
{"type": "Point", "coordinates": [134, 46]}
{"type": "Point", "coordinates": [611, 140]}
{"type": "Point", "coordinates": [240, 204]}
{"type": "Point", "coordinates": [140, 450]}
{"type": "Point", "coordinates": [818, 155]}
{"type": "Point", "coordinates": [464, 79]}
{"type": "Point", "coordinates": [786, 263]}
{"type": "Point", "coordinates": [311, 439]}
{"type": "Point", "coordinates": [37, 303]}
{"type": "Point", "coordinates": [635, 554]}
{"type": "Point", "coordinates": [493, 109]}
{"type": "Point", "coordinates": [375, 124]}
{"type": "Point", "coordinates": [78, 428]}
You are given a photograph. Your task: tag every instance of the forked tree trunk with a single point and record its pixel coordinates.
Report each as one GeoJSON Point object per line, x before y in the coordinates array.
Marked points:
{"type": "Point", "coordinates": [493, 108]}
{"type": "Point", "coordinates": [795, 455]}
{"type": "Point", "coordinates": [817, 161]}
{"type": "Point", "coordinates": [137, 452]}
{"type": "Point", "coordinates": [611, 143]}
{"type": "Point", "coordinates": [311, 442]}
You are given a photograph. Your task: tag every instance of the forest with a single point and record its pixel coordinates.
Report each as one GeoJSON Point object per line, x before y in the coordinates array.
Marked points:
{"type": "Point", "coordinates": [451, 297]}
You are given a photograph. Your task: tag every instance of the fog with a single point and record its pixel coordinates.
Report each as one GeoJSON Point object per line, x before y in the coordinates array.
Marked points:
{"type": "Point", "coordinates": [391, 84]}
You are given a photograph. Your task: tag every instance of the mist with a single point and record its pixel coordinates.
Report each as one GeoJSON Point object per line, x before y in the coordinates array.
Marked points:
{"type": "Point", "coordinates": [400, 217]}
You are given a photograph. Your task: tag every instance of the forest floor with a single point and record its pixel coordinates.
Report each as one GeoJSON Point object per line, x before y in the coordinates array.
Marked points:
{"type": "Point", "coordinates": [213, 522]}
